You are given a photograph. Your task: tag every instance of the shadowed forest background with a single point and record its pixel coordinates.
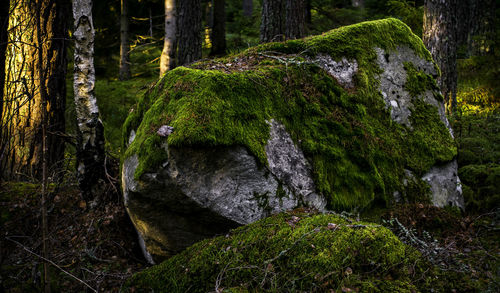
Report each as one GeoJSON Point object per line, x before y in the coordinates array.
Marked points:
{"type": "Point", "coordinates": [61, 202]}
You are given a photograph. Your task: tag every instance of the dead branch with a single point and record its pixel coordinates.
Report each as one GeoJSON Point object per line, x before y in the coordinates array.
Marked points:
{"type": "Point", "coordinates": [52, 263]}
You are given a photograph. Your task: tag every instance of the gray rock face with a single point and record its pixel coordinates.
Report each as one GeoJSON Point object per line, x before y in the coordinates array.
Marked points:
{"type": "Point", "coordinates": [445, 185]}
{"type": "Point", "coordinates": [202, 192]}
{"type": "Point", "coordinates": [393, 79]}
{"type": "Point", "coordinates": [288, 164]}
{"type": "Point", "coordinates": [343, 71]}
{"type": "Point", "coordinates": [443, 180]}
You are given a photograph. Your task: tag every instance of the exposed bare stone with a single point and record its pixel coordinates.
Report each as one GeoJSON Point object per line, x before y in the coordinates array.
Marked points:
{"type": "Point", "coordinates": [343, 71]}
{"type": "Point", "coordinates": [445, 185]}
{"type": "Point", "coordinates": [165, 130]}
{"type": "Point", "coordinates": [203, 192]}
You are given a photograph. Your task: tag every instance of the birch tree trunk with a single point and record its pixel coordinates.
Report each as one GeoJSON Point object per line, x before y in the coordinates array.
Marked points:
{"type": "Point", "coordinates": [90, 143]}
{"type": "Point", "coordinates": [167, 59]}
{"type": "Point", "coordinates": [124, 45]}
{"type": "Point", "coordinates": [21, 110]}
{"type": "Point", "coordinates": [218, 36]}
{"type": "Point", "coordinates": [440, 38]}
{"type": "Point", "coordinates": [271, 27]}
{"type": "Point", "coordinates": [189, 49]}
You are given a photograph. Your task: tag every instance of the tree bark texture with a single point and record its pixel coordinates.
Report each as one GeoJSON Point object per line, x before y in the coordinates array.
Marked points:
{"type": "Point", "coordinates": [271, 27]}
{"type": "Point", "coordinates": [218, 35]}
{"type": "Point", "coordinates": [440, 37]}
{"type": "Point", "coordinates": [43, 98]}
{"type": "Point", "coordinates": [4, 25]}
{"type": "Point", "coordinates": [295, 20]}
{"type": "Point", "coordinates": [21, 115]}
{"type": "Point", "coordinates": [167, 59]}
{"type": "Point", "coordinates": [124, 45]}
{"type": "Point", "coordinates": [189, 38]}
{"type": "Point", "coordinates": [90, 144]}
{"type": "Point", "coordinates": [247, 8]}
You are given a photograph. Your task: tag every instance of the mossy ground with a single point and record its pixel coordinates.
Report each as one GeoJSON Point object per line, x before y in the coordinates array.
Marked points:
{"type": "Point", "coordinates": [296, 252]}
{"type": "Point", "coordinates": [358, 153]}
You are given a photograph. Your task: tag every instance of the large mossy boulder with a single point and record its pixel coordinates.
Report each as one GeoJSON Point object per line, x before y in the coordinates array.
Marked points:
{"type": "Point", "coordinates": [298, 252]}
{"type": "Point", "coordinates": [336, 121]}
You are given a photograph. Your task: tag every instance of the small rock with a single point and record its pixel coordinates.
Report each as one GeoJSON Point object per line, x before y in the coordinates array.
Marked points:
{"type": "Point", "coordinates": [165, 130]}
{"type": "Point", "coordinates": [332, 226]}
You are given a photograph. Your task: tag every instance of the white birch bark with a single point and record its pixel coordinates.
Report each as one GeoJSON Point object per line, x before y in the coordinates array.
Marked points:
{"type": "Point", "coordinates": [90, 148]}
{"type": "Point", "coordinates": [167, 60]}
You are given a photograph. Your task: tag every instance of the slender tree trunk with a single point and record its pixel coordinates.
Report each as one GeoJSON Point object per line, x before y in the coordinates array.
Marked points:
{"type": "Point", "coordinates": [218, 28]}
{"type": "Point", "coordinates": [440, 37]}
{"type": "Point", "coordinates": [189, 49]}
{"type": "Point", "coordinates": [247, 8]}
{"type": "Point", "coordinates": [90, 146]}
{"type": "Point", "coordinates": [295, 21]}
{"type": "Point", "coordinates": [43, 98]}
{"type": "Point", "coordinates": [21, 116]}
{"type": "Point", "coordinates": [124, 45]}
{"type": "Point", "coordinates": [271, 27]}
{"type": "Point", "coordinates": [167, 60]}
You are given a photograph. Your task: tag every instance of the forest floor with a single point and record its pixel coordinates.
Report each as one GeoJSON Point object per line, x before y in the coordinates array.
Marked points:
{"type": "Point", "coordinates": [93, 245]}
{"type": "Point", "coordinates": [96, 247]}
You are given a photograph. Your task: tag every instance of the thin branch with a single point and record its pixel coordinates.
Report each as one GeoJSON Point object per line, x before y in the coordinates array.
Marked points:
{"type": "Point", "coordinates": [52, 263]}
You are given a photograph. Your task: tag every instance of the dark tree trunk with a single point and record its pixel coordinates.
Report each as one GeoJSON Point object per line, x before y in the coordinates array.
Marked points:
{"type": "Point", "coordinates": [124, 45]}
{"type": "Point", "coordinates": [57, 26]}
{"type": "Point", "coordinates": [189, 38]}
{"type": "Point", "coordinates": [271, 27]}
{"type": "Point", "coordinates": [440, 37]}
{"type": "Point", "coordinates": [218, 36]}
{"type": "Point", "coordinates": [295, 21]}
{"type": "Point", "coordinates": [21, 119]}
{"type": "Point", "coordinates": [247, 8]}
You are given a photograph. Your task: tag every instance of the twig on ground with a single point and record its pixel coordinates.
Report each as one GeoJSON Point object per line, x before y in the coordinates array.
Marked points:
{"type": "Point", "coordinates": [52, 263]}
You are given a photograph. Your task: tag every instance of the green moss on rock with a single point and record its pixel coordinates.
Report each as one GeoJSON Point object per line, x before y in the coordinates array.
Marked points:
{"type": "Point", "coordinates": [417, 82]}
{"type": "Point", "coordinates": [294, 252]}
{"type": "Point", "coordinates": [484, 178]}
{"type": "Point", "coordinates": [358, 153]}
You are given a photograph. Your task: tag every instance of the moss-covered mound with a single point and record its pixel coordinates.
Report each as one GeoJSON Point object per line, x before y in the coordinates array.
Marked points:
{"type": "Point", "coordinates": [358, 153]}
{"type": "Point", "coordinates": [293, 252]}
